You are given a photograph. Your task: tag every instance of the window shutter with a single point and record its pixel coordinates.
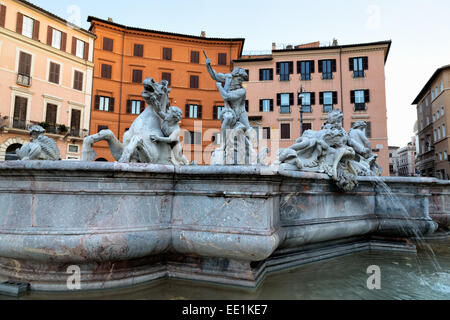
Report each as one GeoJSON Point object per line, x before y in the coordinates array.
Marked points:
{"type": "Point", "coordinates": [299, 67]}
{"type": "Point", "coordinates": [335, 97]}
{"type": "Point", "coordinates": [321, 98]}
{"type": "Point", "coordinates": [49, 35]}
{"type": "Point", "coordinates": [86, 51]}
{"type": "Point", "coordinates": [271, 74]}
{"type": "Point", "coordinates": [333, 65]}
{"type": "Point", "coordinates": [313, 98]}
{"type": "Point", "coordinates": [291, 99]}
{"type": "Point", "coordinates": [366, 63]}
{"type": "Point", "coordinates": [278, 99]}
{"type": "Point", "coordinates": [142, 106]}
{"type": "Point", "coordinates": [367, 96]}
{"type": "Point", "coordinates": [291, 67]}
{"type": "Point", "coordinates": [2, 15]}
{"type": "Point", "coordinates": [187, 115]}
{"type": "Point", "coordinates": [128, 106]}
{"type": "Point", "coordinates": [199, 113]}
{"type": "Point", "coordinates": [111, 105]}
{"type": "Point", "coordinates": [261, 103]}
{"type": "Point", "coordinates": [36, 28]}
{"type": "Point", "coordinates": [97, 103]}
{"type": "Point", "coordinates": [215, 112]}
{"type": "Point", "coordinates": [63, 41]}
{"type": "Point", "coordinates": [271, 105]}
{"type": "Point", "coordinates": [278, 68]}
{"type": "Point", "coordinates": [350, 64]}
{"type": "Point", "coordinates": [320, 66]}
{"type": "Point", "coordinates": [74, 46]}
{"type": "Point", "coordinates": [19, 24]}
{"type": "Point", "coordinates": [352, 96]}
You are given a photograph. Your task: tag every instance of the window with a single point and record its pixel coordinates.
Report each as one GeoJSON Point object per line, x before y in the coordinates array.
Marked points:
{"type": "Point", "coordinates": [27, 27]}
{"type": "Point", "coordinates": [108, 44]}
{"type": "Point", "coordinates": [101, 127]}
{"type": "Point", "coordinates": [360, 98]}
{"type": "Point", "coordinates": [284, 70]}
{"type": "Point", "coordinates": [106, 71]}
{"type": "Point", "coordinates": [440, 156]}
{"type": "Point", "coordinates": [305, 68]}
{"type": "Point", "coordinates": [265, 74]}
{"type": "Point", "coordinates": [195, 57]}
{"type": "Point", "coordinates": [432, 95]}
{"type": "Point", "coordinates": [54, 73]}
{"type": "Point", "coordinates": [80, 49]}
{"type": "Point", "coordinates": [439, 133]}
{"type": "Point", "coordinates": [428, 120]}
{"type": "Point", "coordinates": [442, 85]}
{"type": "Point", "coordinates": [444, 132]}
{"type": "Point", "coordinates": [222, 59]}
{"type": "Point", "coordinates": [327, 67]}
{"type": "Point", "coordinates": [442, 111]}
{"type": "Point", "coordinates": [436, 92]}
{"type": "Point", "coordinates": [306, 127]}
{"type": "Point", "coordinates": [420, 108]}
{"type": "Point", "coordinates": [266, 133]}
{"type": "Point", "coordinates": [437, 115]}
{"type": "Point", "coordinates": [445, 156]}
{"type": "Point", "coordinates": [167, 53]}
{"type": "Point", "coordinates": [217, 112]}
{"type": "Point", "coordinates": [56, 39]}
{"type": "Point", "coordinates": [421, 125]}
{"type": "Point", "coordinates": [247, 106]}
{"type": "Point", "coordinates": [20, 112]}
{"type": "Point", "coordinates": [215, 138]}
{"type": "Point", "coordinates": [328, 100]}
{"type": "Point", "coordinates": [266, 105]}
{"type": "Point", "coordinates": [24, 72]}
{"type": "Point", "coordinates": [75, 123]}
{"type": "Point", "coordinates": [2, 15]}
{"type": "Point", "coordinates": [167, 76]}
{"type": "Point", "coordinates": [103, 103]}
{"type": "Point", "coordinates": [137, 76]}
{"type": "Point", "coordinates": [309, 99]}
{"type": "Point", "coordinates": [194, 111]}
{"type": "Point", "coordinates": [358, 65]}
{"type": "Point", "coordinates": [285, 101]}
{"type": "Point", "coordinates": [285, 131]}
{"type": "Point", "coordinates": [73, 148]}
{"type": "Point", "coordinates": [193, 82]}
{"type": "Point", "coordinates": [191, 137]}
{"type": "Point", "coordinates": [434, 118]}
{"type": "Point", "coordinates": [50, 117]}
{"type": "Point", "coordinates": [426, 101]}
{"type": "Point", "coordinates": [135, 106]}
{"type": "Point", "coordinates": [78, 80]}
{"type": "Point", "coordinates": [138, 50]}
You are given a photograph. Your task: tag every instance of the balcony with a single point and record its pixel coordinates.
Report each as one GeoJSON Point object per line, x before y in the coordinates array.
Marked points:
{"type": "Point", "coordinates": [360, 107]}
{"type": "Point", "coordinates": [305, 77]}
{"type": "Point", "coordinates": [23, 80]}
{"type": "Point", "coordinates": [327, 76]}
{"type": "Point", "coordinates": [359, 74]}
{"type": "Point", "coordinates": [285, 77]}
{"type": "Point", "coordinates": [306, 109]}
{"type": "Point", "coordinates": [285, 109]}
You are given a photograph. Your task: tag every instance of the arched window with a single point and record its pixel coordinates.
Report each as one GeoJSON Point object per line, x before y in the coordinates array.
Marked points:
{"type": "Point", "coordinates": [11, 152]}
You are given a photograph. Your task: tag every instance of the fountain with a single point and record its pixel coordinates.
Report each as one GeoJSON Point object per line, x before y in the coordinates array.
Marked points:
{"type": "Point", "coordinates": [150, 215]}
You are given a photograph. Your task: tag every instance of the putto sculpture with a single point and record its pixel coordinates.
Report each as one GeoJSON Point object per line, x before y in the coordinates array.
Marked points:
{"type": "Point", "coordinates": [152, 138]}
{"type": "Point", "coordinates": [238, 142]}
{"type": "Point", "coordinates": [332, 151]}
{"type": "Point", "coordinates": [41, 147]}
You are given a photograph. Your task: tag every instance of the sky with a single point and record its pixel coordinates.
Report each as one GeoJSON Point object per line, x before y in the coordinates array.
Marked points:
{"type": "Point", "coordinates": [419, 31]}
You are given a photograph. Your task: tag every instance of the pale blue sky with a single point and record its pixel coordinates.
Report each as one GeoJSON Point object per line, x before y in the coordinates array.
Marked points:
{"type": "Point", "coordinates": [419, 31]}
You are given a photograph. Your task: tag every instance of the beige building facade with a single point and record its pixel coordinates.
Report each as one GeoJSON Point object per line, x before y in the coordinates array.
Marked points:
{"type": "Point", "coordinates": [46, 74]}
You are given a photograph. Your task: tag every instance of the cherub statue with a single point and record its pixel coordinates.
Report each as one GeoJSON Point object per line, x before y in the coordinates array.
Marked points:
{"type": "Point", "coordinates": [171, 131]}
{"type": "Point", "coordinates": [40, 147]}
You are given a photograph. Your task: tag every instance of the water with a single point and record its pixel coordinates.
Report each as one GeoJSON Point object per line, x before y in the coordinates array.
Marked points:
{"type": "Point", "coordinates": [403, 276]}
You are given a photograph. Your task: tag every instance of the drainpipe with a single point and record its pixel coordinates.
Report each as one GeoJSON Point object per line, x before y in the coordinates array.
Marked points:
{"type": "Point", "coordinates": [340, 71]}
{"type": "Point", "coordinates": [121, 82]}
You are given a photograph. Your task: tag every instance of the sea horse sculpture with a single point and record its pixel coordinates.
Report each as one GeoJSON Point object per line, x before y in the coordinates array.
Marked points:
{"type": "Point", "coordinates": [331, 150]}
{"type": "Point", "coordinates": [145, 141]}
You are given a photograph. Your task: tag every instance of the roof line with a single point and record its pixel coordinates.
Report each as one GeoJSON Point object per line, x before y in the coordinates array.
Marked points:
{"type": "Point", "coordinates": [33, 6]}
{"type": "Point", "coordinates": [425, 88]}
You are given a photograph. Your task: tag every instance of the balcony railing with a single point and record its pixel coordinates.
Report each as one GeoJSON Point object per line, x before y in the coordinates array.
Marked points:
{"type": "Point", "coordinates": [327, 76]}
{"type": "Point", "coordinates": [285, 109]}
{"type": "Point", "coordinates": [285, 77]}
{"type": "Point", "coordinates": [305, 76]}
{"type": "Point", "coordinates": [359, 74]}
{"type": "Point", "coordinates": [360, 107]}
{"type": "Point", "coordinates": [20, 124]}
{"type": "Point", "coordinates": [23, 80]}
{"type": "Point", "coordinates": [306, 109]}
{"type": "Point", "coordinates": [327, 108]}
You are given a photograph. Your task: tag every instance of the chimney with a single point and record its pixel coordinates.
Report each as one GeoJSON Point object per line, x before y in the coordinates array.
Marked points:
{"type": "Point", "coordinates": [203, 34]}
{"type": "Point", "coordinates": [110, 20]}
{"type": "Point", "coordinates": [335, 43]}
{"type": "Point", "coordinates": [274, 45]}
{"type": "Point", "coordinates": [289, 47]}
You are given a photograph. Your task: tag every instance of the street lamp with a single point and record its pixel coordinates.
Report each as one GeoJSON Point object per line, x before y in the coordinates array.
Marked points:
{"type": "Point", "coordinates": [300, 97]}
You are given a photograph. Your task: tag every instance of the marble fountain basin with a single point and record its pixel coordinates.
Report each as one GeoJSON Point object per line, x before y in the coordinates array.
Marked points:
{"type": "Point", "coordinates": [124, 224]}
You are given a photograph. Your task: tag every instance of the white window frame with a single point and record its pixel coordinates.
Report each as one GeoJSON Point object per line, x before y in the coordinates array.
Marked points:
{"type": "Point", "coordinates": [135, 109]}
{"type": "Point", "coordinates": [80, 45]}
{"type": "Point", "coordinates": [102, 105]}
{"type": "Point", "coordinates": [193, 111]}
{"type": "Point", "coordinates": [266, 105]}
{"type": "Point", "coordinates": [26, 25]}
{"type": "Point", "coordinates": [56, 39]}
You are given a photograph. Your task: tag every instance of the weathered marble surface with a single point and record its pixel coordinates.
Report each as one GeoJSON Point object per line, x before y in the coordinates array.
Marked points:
{"type": "Point", "coordinates": [130, 223]}
{"type": "Point", "coordinates": [40, 147]}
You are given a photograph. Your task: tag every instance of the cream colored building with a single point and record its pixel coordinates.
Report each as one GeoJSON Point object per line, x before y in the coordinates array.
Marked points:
{"type": "Point", "coordinates": [46, 74]}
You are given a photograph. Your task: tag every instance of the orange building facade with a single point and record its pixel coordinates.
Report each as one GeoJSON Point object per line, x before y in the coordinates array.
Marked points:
{"type": "Point", "coordinates": [125, 56]}
{"type": "Point", "coordinates": [347, 77]}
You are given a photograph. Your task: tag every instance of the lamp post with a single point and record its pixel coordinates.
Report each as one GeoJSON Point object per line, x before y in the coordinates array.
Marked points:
{"type": "Point", "coordinates": [300, 97]}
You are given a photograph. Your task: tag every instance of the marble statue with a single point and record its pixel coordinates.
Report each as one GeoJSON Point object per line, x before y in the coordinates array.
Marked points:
{"type": "Point", "coordinates": [238, 143]}
{"type": "Point", "coordinates": [152, 138]}
{"type": "Point", "coordinates": [40, 147]}
{"type": "Point", "coordinates": [332, 151]}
